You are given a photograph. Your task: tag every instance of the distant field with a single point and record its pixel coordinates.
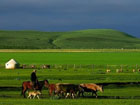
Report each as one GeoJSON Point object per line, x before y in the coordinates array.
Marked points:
{"type": "Point", "coordinates": [69, 50]}
{"type": "Point", "coordinates": [100, 58]}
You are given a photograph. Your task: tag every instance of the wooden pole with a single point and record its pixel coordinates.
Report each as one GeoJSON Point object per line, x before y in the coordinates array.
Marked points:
{"type": "Point", "coordinates": [74, 66]}
{"type": "Point", "coordinates": [136, 66]}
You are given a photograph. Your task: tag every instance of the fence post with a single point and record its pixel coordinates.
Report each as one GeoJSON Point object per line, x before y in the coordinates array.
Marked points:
{"type": "Point", "coordinates": [136, 66]}
{"type": "Point", "coordinates": [74, 66]}
{"type": "Point", "coordinates": [121, 67]}
{"type": "Point", "coordinates": [55, 66]}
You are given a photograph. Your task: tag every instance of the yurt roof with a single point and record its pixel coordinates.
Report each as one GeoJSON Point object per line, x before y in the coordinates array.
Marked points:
{"type": "Point", "coordinates": [12, 61]}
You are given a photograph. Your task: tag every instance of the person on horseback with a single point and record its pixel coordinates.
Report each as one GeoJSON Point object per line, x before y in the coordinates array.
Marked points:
{"type": "Point", "coordinates": [34, 79]}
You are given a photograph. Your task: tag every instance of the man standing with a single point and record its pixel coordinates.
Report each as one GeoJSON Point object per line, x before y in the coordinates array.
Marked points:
{"type": "Point", "coordinates": [34, 79]}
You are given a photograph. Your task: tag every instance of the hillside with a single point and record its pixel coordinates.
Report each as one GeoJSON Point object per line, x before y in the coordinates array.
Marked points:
{"type": "Point", "coordinates": [83, 39]}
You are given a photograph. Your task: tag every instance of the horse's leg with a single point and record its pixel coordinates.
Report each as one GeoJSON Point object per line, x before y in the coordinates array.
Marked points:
{"type": "Point", "coordinates": [67, 95]}
{"type": "Point", "coordinates": [58, 94]}
{"type": "Point", "coordinates": [92, 93]}
{"type": "Point", "coordinates": [95, 94]}
{"type": "Point", "coordinates": [73, 95]}
{"type": "Point", "coordinates": [50, 92]}
{"type": "Point", "coordinates": [82, 94]}
{"type": "Point", "coordinates": [63, 94]}
{"type": "Point", "coordinates": [79, 93]}
{"type": "Point", "coordinates": [23, 92]}
{"type": "Point", "coordinates": [37, 96]}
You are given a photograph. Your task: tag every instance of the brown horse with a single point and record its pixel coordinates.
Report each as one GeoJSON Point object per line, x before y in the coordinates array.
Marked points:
{"type": "Point", "coordinates": [61, 89]}
{"type": "Point", "coordinates": [67, 89]}
{"type": "Point", "coordinates": [90, 87]}
{"type": "Point", "coordinates": [28, 85]}
{"type": "Point", "coordinates": [52, 88]}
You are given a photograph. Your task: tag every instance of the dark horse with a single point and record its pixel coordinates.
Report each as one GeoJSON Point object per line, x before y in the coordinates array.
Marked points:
{"type": "Point", "coordinates": [28, 85]}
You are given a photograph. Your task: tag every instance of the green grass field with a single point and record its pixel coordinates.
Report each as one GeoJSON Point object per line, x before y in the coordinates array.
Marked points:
{"type": "Point", "coordinates": [128, 94]}
{"type": "Point", "coordinates": [70, 102]}
{"type": "Point", "coordinates": [100, 58]}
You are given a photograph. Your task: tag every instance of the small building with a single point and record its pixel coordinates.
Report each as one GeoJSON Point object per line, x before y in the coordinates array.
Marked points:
{"type": "Point", "coordinates": [12, 64]}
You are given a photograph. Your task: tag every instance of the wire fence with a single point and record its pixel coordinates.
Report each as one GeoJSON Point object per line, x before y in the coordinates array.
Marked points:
{"type": "Point", "coordinates": [94, 68]}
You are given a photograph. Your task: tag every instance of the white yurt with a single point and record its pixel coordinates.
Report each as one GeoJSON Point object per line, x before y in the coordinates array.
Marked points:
{"type": "Point", "coordinates": [12, 64]}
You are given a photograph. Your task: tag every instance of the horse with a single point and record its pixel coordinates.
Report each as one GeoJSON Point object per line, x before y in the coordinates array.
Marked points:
{"type": "Point", "coordinates": [66, 89]}
{"type": "Point", "coordinates": [63, 89]}
{"type": "Point", "coordinates": [28, 85]}
{"type": "Point", "coordinates": [51, 87]}
{"type": "Point", "coordinates": [90, 87]}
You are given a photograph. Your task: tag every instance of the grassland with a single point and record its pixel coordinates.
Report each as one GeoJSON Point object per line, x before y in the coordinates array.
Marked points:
{"type": "Point", "coordinates": [11, 80]}
{"type": "Point", "coordinates": [84, 39]}
{"type": "Point", "coordinates": [69, 50]}
{"type": "Point", "coordinates": [125, 94]}
{"type": "Point", "coordinates": [70, 76]}
{"type": "Point", "coordinates": [70, 102]}
{"type": "Point", "coordinates": [100, 58]}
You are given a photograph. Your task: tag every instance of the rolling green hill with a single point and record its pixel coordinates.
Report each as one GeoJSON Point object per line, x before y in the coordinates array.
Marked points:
{"type": "Point", "coordinates": [83, 39]}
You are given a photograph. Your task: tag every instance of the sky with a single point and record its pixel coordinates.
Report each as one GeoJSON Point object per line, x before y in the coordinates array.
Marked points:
{"type": "Point", "coordinates": [70, 15]}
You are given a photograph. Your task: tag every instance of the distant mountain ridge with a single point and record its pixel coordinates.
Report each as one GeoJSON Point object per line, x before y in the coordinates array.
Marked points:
{"type": "Point", "coordinates": [82, 39]}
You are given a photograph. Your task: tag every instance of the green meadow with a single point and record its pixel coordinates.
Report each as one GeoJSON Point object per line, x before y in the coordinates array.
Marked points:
{"type": "Point", "coordinates": [90, 67]}
{"type": "Point", "coordinates": [11, 81]}
{"type": "Point", "coordinates": [70, 102]}
{"type": "Point", "coordinates": [99, 58]}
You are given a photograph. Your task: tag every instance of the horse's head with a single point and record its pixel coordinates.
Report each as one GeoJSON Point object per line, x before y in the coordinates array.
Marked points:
{"type": "Point", "coordinates": [100, 88]}
{"type": "Point", "coordinates": [46, 82]}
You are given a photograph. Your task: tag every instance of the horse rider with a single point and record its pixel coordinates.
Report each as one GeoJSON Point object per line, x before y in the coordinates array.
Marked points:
{"type": "Point", "coordinates": [34, 79]}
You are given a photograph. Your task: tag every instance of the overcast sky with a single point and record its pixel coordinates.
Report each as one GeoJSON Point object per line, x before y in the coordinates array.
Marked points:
{"type": "Point", "coordinates": [69, 15]}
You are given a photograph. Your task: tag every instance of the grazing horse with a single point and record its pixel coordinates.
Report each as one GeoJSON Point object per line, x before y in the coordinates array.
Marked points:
{"type": "Point", "coordinates": [51, 88]}
{"type": "Point", "coordinates": [66, 89]}
{"type": "Point", "coordinates": [28, 85]}
{"type": "Point", "coordinates": [90, 87]}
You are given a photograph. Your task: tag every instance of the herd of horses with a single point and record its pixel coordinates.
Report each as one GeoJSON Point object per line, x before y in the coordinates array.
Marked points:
{"type": "Point", "coordinates": [63, 89]}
